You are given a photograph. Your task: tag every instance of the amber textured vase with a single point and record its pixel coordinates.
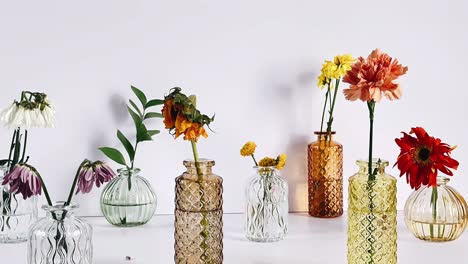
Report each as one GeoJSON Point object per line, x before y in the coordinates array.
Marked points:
{"type": "Point", "coordinates": [372, 225]}
{"type": "Point", "coordinates": [199, 215]}
{"type": "Point", "coordinates": [325, 179]}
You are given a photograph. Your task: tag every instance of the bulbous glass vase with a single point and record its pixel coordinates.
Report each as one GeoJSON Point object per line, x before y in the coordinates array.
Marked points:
{"type": "Point", "coordinates": [198, 215]}
{"type": "Point", "coordinates": [436, 213]}
{"type": "Point", "coordinates": [60, 237]}
{"type": "Point", "coordinates": [372, 225]}
{"type": "Point", "coordinates": [267, 206]}
{"type": "Point", "coordinates": [16, 214]}
{"type": "Point", "coordinates": [325, 164]}
{"type": "Point", "coordinates": [128, 200]}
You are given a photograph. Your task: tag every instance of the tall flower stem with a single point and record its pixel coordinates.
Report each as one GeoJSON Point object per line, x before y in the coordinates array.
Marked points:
{"type": "Point", "coordinates": [324, 108]}
{"type": "Point", "coordinates": [255, 160]}
{"type": "Point", "coordinates": [434, 197]}
{"type": "Point", "coordinates": [44, 187]}
{"type": "Point", "coordinates": [371, 106]}
{"type": "Point", "coordinates": [24, 145]}
{"type": "Point", "coordinates": [75, 181]}
{"type": "Point", "coordinates": [332, 107]}
{"type": "Point", "coordinates": [12, 146]}
{"type": "Point", "coordinates": [195, 157]}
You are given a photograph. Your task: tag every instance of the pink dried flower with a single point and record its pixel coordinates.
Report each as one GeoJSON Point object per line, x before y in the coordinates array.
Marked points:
{"type": "Point", "coordinates": [23, 179]}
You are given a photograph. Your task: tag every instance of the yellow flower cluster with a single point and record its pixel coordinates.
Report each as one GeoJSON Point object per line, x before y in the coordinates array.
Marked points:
{"type": "Point", "coordinates": [281, 161]}
{"type": "Point", "coordinates": [248, 149]}
{"type": "Point", "coordinates": [335, 69]}
{"type": "Point", "coordinates": [267, 162]}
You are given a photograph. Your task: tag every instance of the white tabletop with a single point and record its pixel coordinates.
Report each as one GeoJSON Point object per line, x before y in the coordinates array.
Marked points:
{"type": "Point", "coordinates": [310, 240]}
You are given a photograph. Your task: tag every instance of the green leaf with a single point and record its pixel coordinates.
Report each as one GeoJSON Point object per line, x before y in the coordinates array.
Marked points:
{"type": "Point", "coordinates": [4, 161]}
{"type": "Point", "coordinates": [136, 118]}
{"type": "Point", "coordinates": [141, 96]}
{"type": "Point", "coordinates": [154, 103]}
{"type": "Point", "coordinates": [126, 143]}
{"type": "Point", "coordinates": [153, 115]}
{"type": "Point", "coordinates": [153, 132]}
{"type": "Point", "coordinates": [114, 155]}
{"type": "Point", "coordinates": [135, 107]}
{"type": "Point", "coordinates": [142, 133]}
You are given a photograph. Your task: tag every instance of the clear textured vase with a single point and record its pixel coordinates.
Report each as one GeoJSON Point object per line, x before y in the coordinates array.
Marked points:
{"type": "Point", "coordinates": [436, 213]}
{"type": "Point", "coordinates": [266, 206]}
{"type": "Point", "coordinates": [325, 169]}
{"type": "Point", "coordinates": [128, 200]}
{"type": "Point", "coordinates": [372, 224]}
{"type": "Point", "coordinates": [60, 237]}
{"type": "Point", "coordinates": [198, 215]}
{"type": "Point", "coordinates": [16, 214]}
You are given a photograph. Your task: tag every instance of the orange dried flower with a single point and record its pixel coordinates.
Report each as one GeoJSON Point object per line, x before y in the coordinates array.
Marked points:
{"type": "Point", "coordinates": [370, 78]}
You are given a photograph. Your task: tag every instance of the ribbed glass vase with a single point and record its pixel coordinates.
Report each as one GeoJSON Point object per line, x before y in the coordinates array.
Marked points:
{"type": "Point", "coordinates": [436, 214]}
{"type": "Point", "coordinates": [199, 215]}
{"type": "Point", "coordinates": [16, 214]}
{"type": "Point", "coordinates": [60, 237]}
{"type": "Point", "coordinates": [325, 169]}
{"type": "Point", "coordinates": [372, 225]}
{"type": "Point", "coordinates": [266, 206]}
{"type": "Point", "coordinates": [128, 200]}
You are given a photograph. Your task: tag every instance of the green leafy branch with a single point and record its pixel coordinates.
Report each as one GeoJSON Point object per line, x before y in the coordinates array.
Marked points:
{"type": "Point", "coordinates": [139, 116]}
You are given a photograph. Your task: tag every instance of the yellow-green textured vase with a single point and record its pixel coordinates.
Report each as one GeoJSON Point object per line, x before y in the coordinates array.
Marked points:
{"type": "Point", "coordinates": [372, 224]}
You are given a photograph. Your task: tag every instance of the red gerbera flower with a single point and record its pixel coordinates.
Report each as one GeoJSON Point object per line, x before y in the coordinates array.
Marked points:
{"type": "Point", "coordinates": [421, 158]}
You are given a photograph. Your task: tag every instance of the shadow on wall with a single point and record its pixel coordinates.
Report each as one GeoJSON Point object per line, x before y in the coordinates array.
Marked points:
{"type": "Point", "coordinates": [294, 96]}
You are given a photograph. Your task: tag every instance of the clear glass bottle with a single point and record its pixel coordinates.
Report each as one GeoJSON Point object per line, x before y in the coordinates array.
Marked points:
{"type": "Point", "coordinates": [198, 215]}
{"type": "Point", "coordinates": [325, 169]}
{"type": "Point", "coordinates": [372, 224]}
{"type": "Point", "coordinates": [439, 221]}
{"type": "Point", "coordinates": [16, 214]}
{"type": "Point", "coordinates": [60, 237]}
{"type": "Point", "coordinates": [266, 206]}
{"type": "Point", "coordinates": [128, 200]}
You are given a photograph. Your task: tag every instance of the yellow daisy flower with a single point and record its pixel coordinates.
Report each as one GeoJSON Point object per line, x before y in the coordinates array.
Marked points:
{"type": "Point", "coordinates": [281, 161]}
{"type": "Point", "coordinates": [248, 149]}
{"type": "Point", "coordinates": [267, 162]}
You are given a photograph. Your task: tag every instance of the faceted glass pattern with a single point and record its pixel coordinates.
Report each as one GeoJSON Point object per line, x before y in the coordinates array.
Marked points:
{"type": "Point", "coordinates": [266, 206]}
{"type": "Point", "coordinates": [444, 220]}
{"type": "Point", "coordinates": [128, 200]}
{"type": "Point", "coordinates": [325, 181]}
{"type": "Point", "coordinates": [16, 214]}
{"type": "Point", "coordinates": [372, 226]}
{"type": "Point", "coordinates": [60, 238]}
{"type": "Point", "coordinates": [199, 215]}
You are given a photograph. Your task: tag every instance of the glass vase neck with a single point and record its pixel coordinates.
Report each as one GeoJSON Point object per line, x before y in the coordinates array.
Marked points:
{"type": "Point", "coordinates": [324, 135]}
{"type": "Point", "coordinates": [442, 181]}
{"type": "Point", "coordinates": [204, 165]}
{"type": "Point", "coordinates": [265, 171]}
{"type": "Point", "coordinates": [380, 165]}
{"type": "Point", "coordinates": [126, 172]}
{"type": "Point", "coordinates": [59, 211]}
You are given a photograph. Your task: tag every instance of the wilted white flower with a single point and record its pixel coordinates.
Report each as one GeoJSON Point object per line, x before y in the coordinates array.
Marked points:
{"type": "Point", "coordinates": [27, 114]}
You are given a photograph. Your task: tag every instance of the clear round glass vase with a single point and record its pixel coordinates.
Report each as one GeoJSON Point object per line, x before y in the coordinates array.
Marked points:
{"type": "Point", "coordinates": [436, 214]}
{"type": "Point", "coordinates": [60, 237]}
{"type": "Point", "coordinates": [372, 212]}
{"type": "Point", "coordinates": [325, 181]}
{"type": "Point", "coordinates": [128, 200]}
{"type": "Point", "coordinates": [266, 206]}
{"type": "Point", "coordinates": [16, 213]}
{"type": "Point", "coordinates": [198, 215]}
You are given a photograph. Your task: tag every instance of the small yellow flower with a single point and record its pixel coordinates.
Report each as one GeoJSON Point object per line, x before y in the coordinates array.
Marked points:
{"type": "Point", "coordinates": [248, 149]}
{"type": "Point", "coordinates": [267, 162]}
{"type": "Point", "coordinates": [329, 69]}
{"type": "Point", "coordinates": [343, 63]}
{"type": "Point", "coordinates": [281, 161]}
{"type": "Point", "coordinates": [322, 81]}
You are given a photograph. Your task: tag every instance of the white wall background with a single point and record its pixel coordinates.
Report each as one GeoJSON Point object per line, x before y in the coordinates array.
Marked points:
{"type": "Point", "coordinates": [253, 63]}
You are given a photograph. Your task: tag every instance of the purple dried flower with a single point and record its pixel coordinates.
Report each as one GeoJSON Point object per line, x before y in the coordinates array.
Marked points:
{"type": "Point", "coordinates": [23, 179]}
{"type": "Point", "coordinates": [97, 172]}
{"type": "Point", "coordinates": [104, 173]}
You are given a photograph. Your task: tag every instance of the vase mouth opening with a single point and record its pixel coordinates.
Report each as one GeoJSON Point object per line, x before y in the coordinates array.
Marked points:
{"type": "Point", "coordinates": [128, 171]}
{"type": "Point", "coordinates": [376, 163]}
{"type": "Point", "coordinates": [324, 133]}
{"type": "Point", "coordinates": [204, 162]}
{"type": "Point", "coordinates": [60, 206]}
{"type": "Point", "coordinates": [442, 180]}
{"type": "Point", "coordinates": [265, 170]}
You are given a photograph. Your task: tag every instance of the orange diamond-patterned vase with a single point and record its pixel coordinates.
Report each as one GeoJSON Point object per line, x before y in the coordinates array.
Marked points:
{"type": "Point", "coordinates": [198, 215]}
{"type": "Point", "coordinates": [325, 164]}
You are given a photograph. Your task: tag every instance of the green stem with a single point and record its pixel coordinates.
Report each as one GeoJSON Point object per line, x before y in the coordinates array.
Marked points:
{"type": "Point", "coordinates": [24, 145]}
{"type": "Point", "coordinates": [324, 107]}
{"type": "Point", "coordinates": [255, 161]}
{"type": "Point", "coordinates": [434, 198]}
{"type": "Point", "coordinates": [330, 117]}
{"type": "Point", "coordinates": [12, 146]}
{"type": "Point", "coordinates": [195, 157]}
{"type": "Point", "coordinates": [75, 181]}
{"type": "Point", "coordinates": [44, 187]}
{"type": "Point", "coordinates": [371, 106]}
